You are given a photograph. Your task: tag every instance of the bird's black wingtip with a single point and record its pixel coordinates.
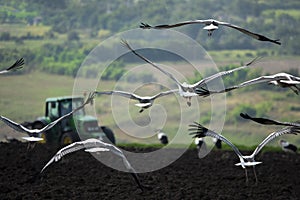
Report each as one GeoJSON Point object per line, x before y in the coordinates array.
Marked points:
{"type": "Point", "coordinates": [245, 115]}
{"type": "Point", "coordinates": [197, 129]}
{"type": "Point", "coordinates": [17, 65]}
{"type": "Point", "coordinates": [295, 130]}
{"type": "Point", "coordinates": [124, 42]}
{"type": "Point", "coordinates": [202, 92]}
{"type": "Point", "coordinates": [20, 62]}
{"type": "Point", "coordinates": [145, 26]}
{"type": "Point", "coordinates": [277, 41]}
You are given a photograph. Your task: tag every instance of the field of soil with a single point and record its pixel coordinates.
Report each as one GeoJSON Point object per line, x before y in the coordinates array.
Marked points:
{"type": "Point", "coordinates": [81, 176]}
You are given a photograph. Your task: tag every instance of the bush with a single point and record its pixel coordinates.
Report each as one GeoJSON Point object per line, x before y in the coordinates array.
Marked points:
{"type": "Point", "coordinates": [5, 36]}
{"type": "Point", "coordinates": [234, 115]}
{"type": "Point", "coordinates": [114, 71]}
{"type": "Point", "coordinates": [263, 108]}
{"type": "Point", "coordinates": [144, 78]}
{"type": "Point", "coordinates": [73, 35]}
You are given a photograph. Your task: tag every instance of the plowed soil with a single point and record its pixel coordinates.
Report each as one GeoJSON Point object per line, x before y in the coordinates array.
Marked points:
{"type": "Point", "coordinates": [81, 176]}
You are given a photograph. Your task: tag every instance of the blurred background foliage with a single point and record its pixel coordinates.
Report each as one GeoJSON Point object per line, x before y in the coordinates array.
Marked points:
{"type": "Point", "coordinates": [57, 35]}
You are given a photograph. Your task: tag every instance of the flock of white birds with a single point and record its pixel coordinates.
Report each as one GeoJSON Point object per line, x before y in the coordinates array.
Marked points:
{"type": "Point", "coordinates": [186, 91]}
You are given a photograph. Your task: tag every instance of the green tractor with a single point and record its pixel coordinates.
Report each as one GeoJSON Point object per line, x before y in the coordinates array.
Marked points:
{"type": "Point", "coordinates": [66, 132]}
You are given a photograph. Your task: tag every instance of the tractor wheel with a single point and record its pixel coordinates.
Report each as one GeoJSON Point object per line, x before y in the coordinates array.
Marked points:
{"type": "Point", "coordinates": [39, 125]}
{"type": "Point", "coordinates": [68, 138]}
{"type": "Point", "coordinates": [109, 134]}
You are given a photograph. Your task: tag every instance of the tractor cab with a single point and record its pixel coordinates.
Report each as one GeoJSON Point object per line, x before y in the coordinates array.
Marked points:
{"type": "Point", "coordinates": [57, 107]}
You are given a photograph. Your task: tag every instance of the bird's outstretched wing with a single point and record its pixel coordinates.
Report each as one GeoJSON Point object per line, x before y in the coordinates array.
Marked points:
{"type": "Point", "coordinates": [166, 26]}
{"type": "Point", "coordinates": [251, 34]}
{"type": "Point", "coordinates": [161, 94]}
{"type": "Point", "coordinates": [287, 130]}
{"type": "Point", "coordinates": [14, 125]}
{"type": "Point", "coordinates": [95, 145]}
{"type": "Point", "coordinates": [17, 65]}
{"type": "Point", "coordinates": [125, 44]}
{"type": "Point", "coordinates": [295, 78]}
{"type": "Point", "coordinates": [223, 73]}
{"type": "Point", "coordinates": [262, 79]}
{"type": "Point", "coordinates": [290, 82]}
{"type": "Point", "coordinates": [76, 146]}
{"type": "Point", "coordinates": [20, 128]}
{"type": "Point", "coordinates": [266, 121]}
{"type": "Point", "coordinates": [205, 92]}
{"type": "Point", "coordinates": [120, 93]}
{"type": "Point", "coordinates": [200, 131]}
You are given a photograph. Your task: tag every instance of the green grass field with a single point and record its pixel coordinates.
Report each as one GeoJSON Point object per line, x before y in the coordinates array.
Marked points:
{"type": "Point", "coordinates": [23, 98]}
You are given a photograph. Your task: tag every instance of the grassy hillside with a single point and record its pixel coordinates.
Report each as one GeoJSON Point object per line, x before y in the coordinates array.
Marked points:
{"type": "Point", "coordinates": [56, 36]}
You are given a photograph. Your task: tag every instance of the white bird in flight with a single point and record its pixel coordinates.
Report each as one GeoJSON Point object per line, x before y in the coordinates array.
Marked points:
{"type": "Point", "coordinates": [287, 130]}
{"type": "Point", "coordinates": [94, 146]}
{"type": "Point", "coordinates": [187, 90]}
{"type": "Point", "coordinates": [17, 65]}
{"type": "Point", "coordinates": [266, 121]}
{"type": "Point", "coordinates": [200, 131]}
{"type": "Point", "coordinates": [283, 80]}
{"type": "Point", "coordinates": [36, 132]}
{"type": "Point", "coordinates": [144, 101]}
{"type": "Point", "coordinates": [210, 26]}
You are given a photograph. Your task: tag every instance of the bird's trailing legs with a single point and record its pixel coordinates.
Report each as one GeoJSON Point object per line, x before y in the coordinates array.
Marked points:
{"type": "Point", "coordinates": [246, 174]}
{"type": "Point", "coordinates": [30, 145]}
{"type": "Point", "coordinates": [247, 179]}
{"type": "Point", "coordinates": [189, 103]}
{"type": "Point", "coordinates": [256, 180]}
{"type": "Point", "coordinates": [209, 32]}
